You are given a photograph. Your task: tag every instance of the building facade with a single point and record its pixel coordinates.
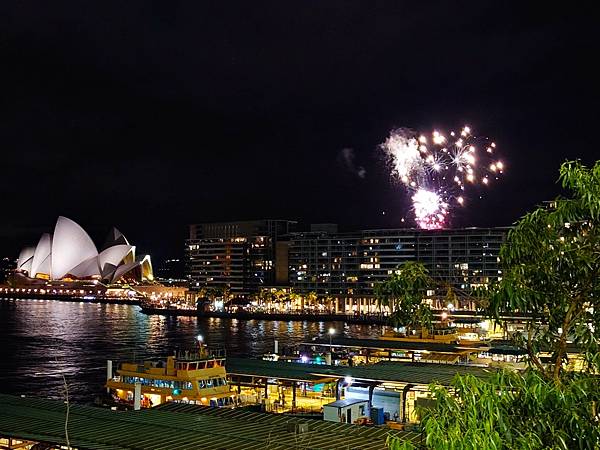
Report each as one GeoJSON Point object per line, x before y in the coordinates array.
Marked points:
{"type": "Point", "coordinates": [350, 264]}
{"type": "Point", "coordinates": [7, 266]}
{"type": "Point", "coordinates": [325, 263]}
{"type": "Point", "coordinates": [240, 257]}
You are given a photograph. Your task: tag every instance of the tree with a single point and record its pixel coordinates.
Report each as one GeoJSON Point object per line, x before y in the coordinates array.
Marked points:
{"type": "Point", "coordinates": [403, 293]}
{"type": "Point", "coordinates": [551, 267]}
{"type": "Point", "coordinates": [329, 300]}
{"type": "Point", "coordinates": [311, 299]}
{"type": "Point", "coordinates": [451, 298]}
{"type": "Point", "coordinates": [226, 293]}
{"type": "Point", "coordinates": [511, 410]}
{"type": "Point", "coordinates": [551, 263]}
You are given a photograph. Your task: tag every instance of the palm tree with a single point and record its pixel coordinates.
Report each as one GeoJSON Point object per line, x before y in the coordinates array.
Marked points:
{"type": "Point", "coordinates": [311, 299]}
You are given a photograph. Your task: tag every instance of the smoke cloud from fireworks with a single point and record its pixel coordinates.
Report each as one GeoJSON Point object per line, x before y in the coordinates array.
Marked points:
{"type": "Point", "coordinates": [437, 168]}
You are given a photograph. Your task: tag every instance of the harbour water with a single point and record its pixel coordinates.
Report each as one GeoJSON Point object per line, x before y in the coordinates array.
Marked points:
{"type": "Point", "coordinates": [42, 340]}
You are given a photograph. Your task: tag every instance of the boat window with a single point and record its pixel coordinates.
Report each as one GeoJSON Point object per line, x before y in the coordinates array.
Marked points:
{"type": "Point", "coordinates": [201, 384]}
{"type": "Point", "coordinates": [218, 382]}
{"type": "Point", "coordinates": [209, 383]}
{"type": "Point", "coordinates": [193, 366]}
{"type": "Point", "coordinates": [170, 384]}
{"type": "Point", "coordinates": [210, 364]}
{"type": "Point", "coordinates": [182, 385]}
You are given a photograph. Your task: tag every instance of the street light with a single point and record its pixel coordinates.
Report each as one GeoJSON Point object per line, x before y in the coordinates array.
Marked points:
{"type": "Point", "coordinates": [200, 339]}
{"type": "Point", "coordinates": [331, 333]}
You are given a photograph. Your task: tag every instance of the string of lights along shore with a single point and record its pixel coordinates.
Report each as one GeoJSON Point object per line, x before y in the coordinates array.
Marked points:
{"type": "Point", "coordinates": [439, 169]}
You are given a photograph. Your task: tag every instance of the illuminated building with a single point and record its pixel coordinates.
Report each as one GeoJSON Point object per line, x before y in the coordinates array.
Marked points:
{"type": "Point", "coordinates": [7, 266]}
{"type": "Point", "coordinates": [70, 255]}
{"type": "Point", "coordinates": [324, 261]}
{"type": "Point", "coordinates": [170, 271]}
{"type": "Point", "coordinates": [238, 256]}
{"type": "Point", "coordinates": [464, 258]}
{"type": "Point", "coordinates": [349, 264]}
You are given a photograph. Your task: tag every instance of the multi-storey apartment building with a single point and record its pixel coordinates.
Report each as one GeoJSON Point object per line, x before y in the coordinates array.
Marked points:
{"type": "Point", "coordinates": [351, 263]}
{"type": "Point", "coordinates": [245, 256]}
{"type": "Point", "coordinates": [324, 262]}
{"type": "Point", "coordinates": [239, 256]}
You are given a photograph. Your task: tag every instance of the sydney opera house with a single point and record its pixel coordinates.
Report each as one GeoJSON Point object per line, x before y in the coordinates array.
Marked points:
{"type": "Point", "coordinates": [70, 256]}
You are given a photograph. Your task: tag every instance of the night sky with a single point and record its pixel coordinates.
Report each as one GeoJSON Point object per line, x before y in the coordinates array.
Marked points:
{"type": "Point", "coordinates": [152, 115]}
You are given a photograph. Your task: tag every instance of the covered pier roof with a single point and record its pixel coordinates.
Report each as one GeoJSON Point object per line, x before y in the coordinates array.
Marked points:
{"type": "Point", "coordinates": [176, 426]}
{"type": "Point", "coordinates": [414, 373]}
{"type": "Point", "coordinates": [388, 344]}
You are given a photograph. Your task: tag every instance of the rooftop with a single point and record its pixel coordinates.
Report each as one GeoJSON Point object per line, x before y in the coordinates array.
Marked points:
{"type": "Point", "coordinates": [346, 402]}
{"type": "Point", "coordinates": [385, 344]}
{"type": "Point", "coordinates": [176, 425]}
{"type": "Point", "coordinates": [416, 373]}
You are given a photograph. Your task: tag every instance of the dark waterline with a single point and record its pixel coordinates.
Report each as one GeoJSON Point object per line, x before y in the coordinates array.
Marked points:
{"type": "Point", "coordinates": [42, 339]}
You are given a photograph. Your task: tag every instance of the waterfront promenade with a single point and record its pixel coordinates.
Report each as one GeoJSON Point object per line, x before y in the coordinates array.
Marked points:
{"type": "Point", "coordinates": [66, 295]}
{"type": "Point", "coordinates": [461, 316]}
{"type": "Point", "coordinates": [372, 319]}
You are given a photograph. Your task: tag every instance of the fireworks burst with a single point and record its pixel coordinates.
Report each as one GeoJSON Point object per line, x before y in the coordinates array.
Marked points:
{"type": "Point", "coordinates": [438, 168]}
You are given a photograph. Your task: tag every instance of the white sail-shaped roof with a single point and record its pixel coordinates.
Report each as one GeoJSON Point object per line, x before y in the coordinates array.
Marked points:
{"type": "Point", "coordinates": [147, 273]}
{"type": "Point", "coordinates": [45, 267]}
{"type": "Point", "coordinates": [71, 246]}
{"type": "Point", "coordinates": [115, 237]}
{"type": "Point", "coordinates": [25, 255]}
{"type": "Point", "coordinates": [42, 251]}
{"type": "Point", "coordinates": [86, 269]}
{"type": "Point", "coordinates": [130, 257]}
{"type": "Point", "coordinates": [113, 255]}
{"type": "Point", "coordinates": [27, 266]}
{"type": "Point", "coordinates": [122, 270]}
{"type": "Point", "coordinates": [70, 252]}
{"type": "Point", "coordinates": [108, 271]}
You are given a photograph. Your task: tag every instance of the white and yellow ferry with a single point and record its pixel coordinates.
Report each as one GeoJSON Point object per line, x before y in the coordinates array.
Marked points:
{"type": "Point", "coordinates": [195, 376]}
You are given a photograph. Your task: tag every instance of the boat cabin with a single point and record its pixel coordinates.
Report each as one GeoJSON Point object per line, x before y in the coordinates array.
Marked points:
{"type": "Point", "coordinates": [196, 376]}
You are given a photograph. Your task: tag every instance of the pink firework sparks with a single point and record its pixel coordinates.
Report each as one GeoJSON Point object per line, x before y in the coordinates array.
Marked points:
{"type": "Point", "coordinates": [438, 168]}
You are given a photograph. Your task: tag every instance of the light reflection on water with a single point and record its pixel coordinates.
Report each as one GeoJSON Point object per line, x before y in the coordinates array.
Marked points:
{"type": "Point", "coordinates": [42, 339]}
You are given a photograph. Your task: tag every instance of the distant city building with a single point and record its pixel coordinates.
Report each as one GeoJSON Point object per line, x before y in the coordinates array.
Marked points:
{"type": "Point", "coordinates": [70, 255]}
{"type": "Point", "coordinates": [170, 269]}
{"type": "Point", "coordinates": [7, 266]}
{"type": "Point", "coordinates": [239, 256]}
{"type": "Point", "coordinates": [349, 264]}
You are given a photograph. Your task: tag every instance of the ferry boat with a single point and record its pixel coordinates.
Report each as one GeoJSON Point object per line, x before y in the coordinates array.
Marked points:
{"type": "Point", "coordinates": [436, 336]}
{"type": "Point", "coordinates": [444, 332]}
{"type": "Point", "coordinates": [193, 376]}
{"type": "Point", "coordinates": [472, 337]}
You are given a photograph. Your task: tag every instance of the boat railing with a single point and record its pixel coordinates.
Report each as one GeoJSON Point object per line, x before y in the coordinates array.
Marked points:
{"type": "Point", "coordinates": [191, 354]}
{"type": "Point", "coordinates": [200, 353]}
